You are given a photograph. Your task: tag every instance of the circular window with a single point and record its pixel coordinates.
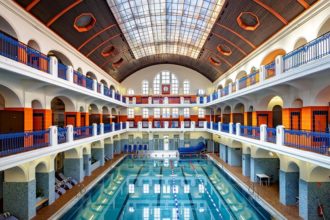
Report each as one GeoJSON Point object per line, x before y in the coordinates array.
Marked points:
{"type": "Point", "coordinates": [84, 22]}
{"type": "Point", "coordinates": [224, 49]}
{"type": "Point", "coordinates": [214, 61]}
{"type": "Point", "coordinates": [109, 50]}
{"type": "Point", "coordinates": [117, 63]}
{"type": "Point", "coordinates": [248, 21]}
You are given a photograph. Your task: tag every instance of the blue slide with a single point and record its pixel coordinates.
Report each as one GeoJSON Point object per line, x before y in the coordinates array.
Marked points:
{"type": "Point", "coordinates": [192, 149]}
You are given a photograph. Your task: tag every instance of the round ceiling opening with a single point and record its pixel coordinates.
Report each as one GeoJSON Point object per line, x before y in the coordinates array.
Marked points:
{"type": "Point", "coordinates": [84, 22]}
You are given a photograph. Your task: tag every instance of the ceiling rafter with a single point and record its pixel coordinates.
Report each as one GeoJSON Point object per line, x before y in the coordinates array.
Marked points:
{"type": "Point", "coordinates": [272, 11]}
{"type": "Point", "coordinates": [61, 13]}
{"type": "Point", "coordinates": [231, 43]}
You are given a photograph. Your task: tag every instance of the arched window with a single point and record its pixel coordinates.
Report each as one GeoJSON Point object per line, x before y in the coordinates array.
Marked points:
{"type": "Point", "coordinates": [166, 78]}
{"type": "Point", "coordinates": [130, 113]}
{"type": "Point", "coordinates": [145, 87]}
{"type": "Point", "coordinates": [201, 113]}
{"type": "Point", "coordinates": [186, 113]}
{"type": "Point", "coordinates": [130, 91]}
{"type": "Point", "coordinates": [186, 87]}
{"type": "Point", "coordinates": [145, 113]}
{"type": "Point", "coordinates": [200, 92]}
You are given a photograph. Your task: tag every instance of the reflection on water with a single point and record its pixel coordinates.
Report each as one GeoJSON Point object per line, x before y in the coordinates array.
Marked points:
{"type": "Point", "coordinates": [169, 189]}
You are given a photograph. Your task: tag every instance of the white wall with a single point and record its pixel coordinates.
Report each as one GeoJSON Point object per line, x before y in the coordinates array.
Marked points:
{"type": "Point", "coordinates": [197, 80]}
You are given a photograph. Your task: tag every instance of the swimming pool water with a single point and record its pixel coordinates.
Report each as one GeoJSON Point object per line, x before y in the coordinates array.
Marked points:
{"type": "Point", "coordinates": [164, 190]}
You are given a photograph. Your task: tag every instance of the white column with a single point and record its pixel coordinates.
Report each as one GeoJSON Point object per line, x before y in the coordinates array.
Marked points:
{"type": "Point", "coordinates": [237, 85]}
{"type": "Point", "coordinates": [69, 74]}
{"type": "Point", "coordinates": [182, 124]}
{"type": "Point", "coordinates": [279, 65]}
{"type": "Point", "coordinates": [102, 88]}
{"type": "Point", "coordinates": [102, 127]}
{"type": "Point", "coordinates": [94, 85]}
{"type": "Point", "coordinates": [121, 125]}
{"type": "Point", "coordinates": [197, 99]}
{"type": "Point", "coordinates": [219, 93]}
{"type": "Point", "coordinates": [263, 132]}
{"type": "Point", "coordinates": [166, 124]}
{"type": "Point", "coordinates": [113, 94]}
{"type": "Point", "coordinates": [127, 100]}
{"type": "Point", "coordinates": [219, 126]}
{"type": "Point", "coordinates": [69, 134]}
{"type": "Point", "coordinates": [211, 125]}
{"type": "Point", "coordinates": [231, 128]}
{"type": "Point", "coordinates": [205, 99]}
{"type": "Point", "coordinates": [127, 125]}
{"type": "Point", "coordinates": [238, 129]}
{"type": "Point", "coordinates": [53, 135]}
{"type": "Point", "coordinates": [280, 135]}
{"type": "Point", "coordinates": [150, 125]}
{"type": "Point", "coordinates": [94, 129]}
{"type": "Point", "coordinates": [262, 74]}
{"type": "Point", "coordinates": [139, 125]}
{"type": "Point", "coordinates": [165, 100]}
{"type": "Point", "coordinates": [205, 124]}
{"type": "Point", "coordinates": [113, 126]}
{"type": "Point", "coordinates": [193, 125]}
{"type": "Point", "coordinates": [149, 100]}
{"type": "Point", "coordinates": [230, 88]}
{"type": "Point", "coordinates": [53, 66]}
{"type": "Point", "coordinates": [181, 100]}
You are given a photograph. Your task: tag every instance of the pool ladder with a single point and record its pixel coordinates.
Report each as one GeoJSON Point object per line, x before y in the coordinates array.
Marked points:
{"type": "Point", "coordinates": [252, 190]}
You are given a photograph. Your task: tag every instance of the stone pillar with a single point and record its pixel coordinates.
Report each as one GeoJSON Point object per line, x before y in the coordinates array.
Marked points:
{"type": "Point", "coordinates": [98, 154]}
{"type": "Point", "coordinates": [289, 187]}
{"type": "Point", "coordinates": [263, 133]}
{"type": "Point", "coordinates": [310, 194]}
{"type": "Point", "coordinates": [280, 135]}
{"type": "Point", "coordinates": [53, 66]}
{"type": "Point", "coordinates": [278, 65]}
{"type": "Point", "coordinates": [73, 167]}
{"type": "Point", "coordinates": [19, 198]}
{"type": "Point", "coordinates": [246, 159]}
{"type": "Point", "coordinates": [269, 166]}
{"type": "Point", "coordinates": [87, 164]}
{"type": "Point", "coordinates": [234, 156]}
{"type": "Point", "coordinates": [69, 74]}
{"type": "Point", "coordinates": [46, 182]}
{"type": "Point", "coordinates": [223, 152]}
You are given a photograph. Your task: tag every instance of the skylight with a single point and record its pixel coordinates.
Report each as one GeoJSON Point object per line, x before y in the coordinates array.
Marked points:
{"type": "Point", "coordinates": [166, 26]}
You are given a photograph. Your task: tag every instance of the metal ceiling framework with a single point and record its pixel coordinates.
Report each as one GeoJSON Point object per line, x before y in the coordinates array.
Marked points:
{"type": "Point", "coordinates": [190, 33]}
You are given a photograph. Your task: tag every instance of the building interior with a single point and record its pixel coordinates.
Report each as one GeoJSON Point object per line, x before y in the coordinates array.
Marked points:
{"type": "Point", "coordinates": [203, 96]}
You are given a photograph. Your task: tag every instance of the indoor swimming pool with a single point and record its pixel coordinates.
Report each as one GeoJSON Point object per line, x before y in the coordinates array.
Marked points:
{"type": "Point", "coordinates": [166, 189]}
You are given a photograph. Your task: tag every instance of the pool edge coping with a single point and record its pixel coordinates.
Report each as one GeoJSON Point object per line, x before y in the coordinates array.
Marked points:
{"type": "Point", "coordinates": [269, 208]}
{"type": "Point", "coordinates": [67, 206]}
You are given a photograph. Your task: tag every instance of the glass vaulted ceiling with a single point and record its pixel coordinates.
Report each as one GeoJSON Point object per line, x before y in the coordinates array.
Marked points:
{"type": "Point", "coordinates": [166, 26]}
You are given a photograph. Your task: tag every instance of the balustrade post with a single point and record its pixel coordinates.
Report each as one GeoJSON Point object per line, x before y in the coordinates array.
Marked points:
{"type": "Point", "coordinates": [113, 126]}
{"type": "Point", "coordinates": [279, 65]}
{"type": "Point", "coordinates": [262, 73]}
{"type": "Point", "coordinates": [69, 74]}
{"type": "Point", "coordinates": [121, 125]}
{"type": "Point", "coordinates": [231, 124]}
{"type": "Point", "coordinates": [182, 124]}
{"type": "Point", "coordinates": [69, 133]}
{"type": "Point", "coordinates": [230, 88]}
{"type": "Point", "coordinates": [53, 135]}
{"type": "Point", "coordinates": [53, 66]}
{"type": "Point", "coordinates": [94, 129]}
{"type": "Point", "coordinates": [238, 129]}
{"type": "Point", "coordinates": [113, 94]}
{"type": "Point", "coordinates": [263, 132]}
{"type": "Point", "coordinates": [280, 135]}
{"type": "Point", "coordinates": [205, 124]}
{"type": "Point", "coordinates": [205, 99]}
{"type": "Point", "coordinates": [127, 125]}
{"type": "Point", "coordinates": [220, 125]}
{"type": "Point", "coordinates": [181, 100]}
{"type": "Point", "coordinates": [149, 125]}
{"type": "Point", "coordinates": [94, 85]}
{"type": "Point", "coordinates": [102, 88]}
{"type": "Point", "coordinates": [211, 125]}
{"type": "Point", "coordinates": [101, 128]}
{"type": "Point", "coordinates": [193, 125]}
{"type": "Point", "coordinates": [219, 93]}
{"type": "Point", "coordinates": [140, 125]}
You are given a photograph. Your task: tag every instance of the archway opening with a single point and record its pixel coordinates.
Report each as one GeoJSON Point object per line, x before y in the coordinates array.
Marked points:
{"type": "Point", "coordinates": [58, 112]}
{"type": "Point", "coordinates": [105, 115]}
{"type": "Point", "coordinates": [38, 116]}
{"type": "Point", "coordinates": [238, 114]}
{"type": "Point", "coordinates": [226, 115]}
{"type": "Point", "coordinates": [249, 116]}
{"type": "Point", "coordinates": [325, 28]}
{"type": "Point", "coordinates": [275, 106]}
{"type": "Point", "coordinates": [94, 115]}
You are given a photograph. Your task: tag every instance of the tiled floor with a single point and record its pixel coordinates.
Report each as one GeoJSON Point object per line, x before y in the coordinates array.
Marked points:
{"type": "Point", "coordinates": [268, 193]}
{"type": "Point", "coordinates": [48, 211]}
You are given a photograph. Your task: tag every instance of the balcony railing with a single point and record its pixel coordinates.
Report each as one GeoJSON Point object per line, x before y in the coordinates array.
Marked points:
{"type": "Point", "coordinates": [225, 127]}
{"type": "Point", "coordinates": [79, 79]}
{"type": "Point", "coordinates": [15, 50]}
{"type": "Point", "coordinates": [250, 131]}
{"type": "Point", "coordinates": [225, 91]}
{"type": "Point", "coordinates": [318, 142]}
{"type": "Point", "coordinates": [62, 135]}
{"type": "Point", "coordinates": [82, 132]}
{"type": "Point", "coordinates": [215, 126]}
{"type": "Point", "coordinates": [23, 141]}
{"type": "Point", "coordinates": [311, 51]}
{"type": "Point", "coordinates": [107, 128]}
{"type": "Point", "coordinates": [270, 70]}
{"type": "Point", "coordinates": [89, 83]}
{"type": "Point", "coordinates": [61, 68]}
{"type": "Point", "coordinates": [117, 126]}
{"type": "Point", "coordinates": [271, 135]}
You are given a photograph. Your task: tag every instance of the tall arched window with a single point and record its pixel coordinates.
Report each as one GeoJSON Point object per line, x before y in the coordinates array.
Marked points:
{"type": "Point", "coordinates": [145, 87]}
{"type": "Point", "coordinates": [166, 78]}
{"type": "Point", "coordinates": [186, 87]}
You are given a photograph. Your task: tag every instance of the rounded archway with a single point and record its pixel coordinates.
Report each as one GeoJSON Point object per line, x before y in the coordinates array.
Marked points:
{"type": "Point", "coordinates": [299, 43]}
{"type": "Point", "coordinates": [226, 115]}
{"type": "Point", "coordinates": [270, 57]}
{"type": "Point", "coordinates": [104, 83]}
{"type": "Point", "coordinates": [238, 113]}
{"type": "Point", "coordinates": [34, 45]}
{"type": "Point", "coordinates": [58, 112]}
{"type": "Point", "coordinates": [219, 88]}
{"type": "Point", "coordinates": [38, 116]}
{"type": "Point", "coordinates": [275, 105]}
{"type": "Point", "coordinates": [91, 75]}
{"type": "Point", "coordinates": [6, 28]}
{"type": "Point", "coordinates": [94, 114]}
{"type": "Point", "coordinates": [105, 115]}
{"type": "Point", "coordinates": [60, 57]}
{"type": "Point", "coordinates": [249, 116]}
{"type": "Point", "coordinates": [325, 28]}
